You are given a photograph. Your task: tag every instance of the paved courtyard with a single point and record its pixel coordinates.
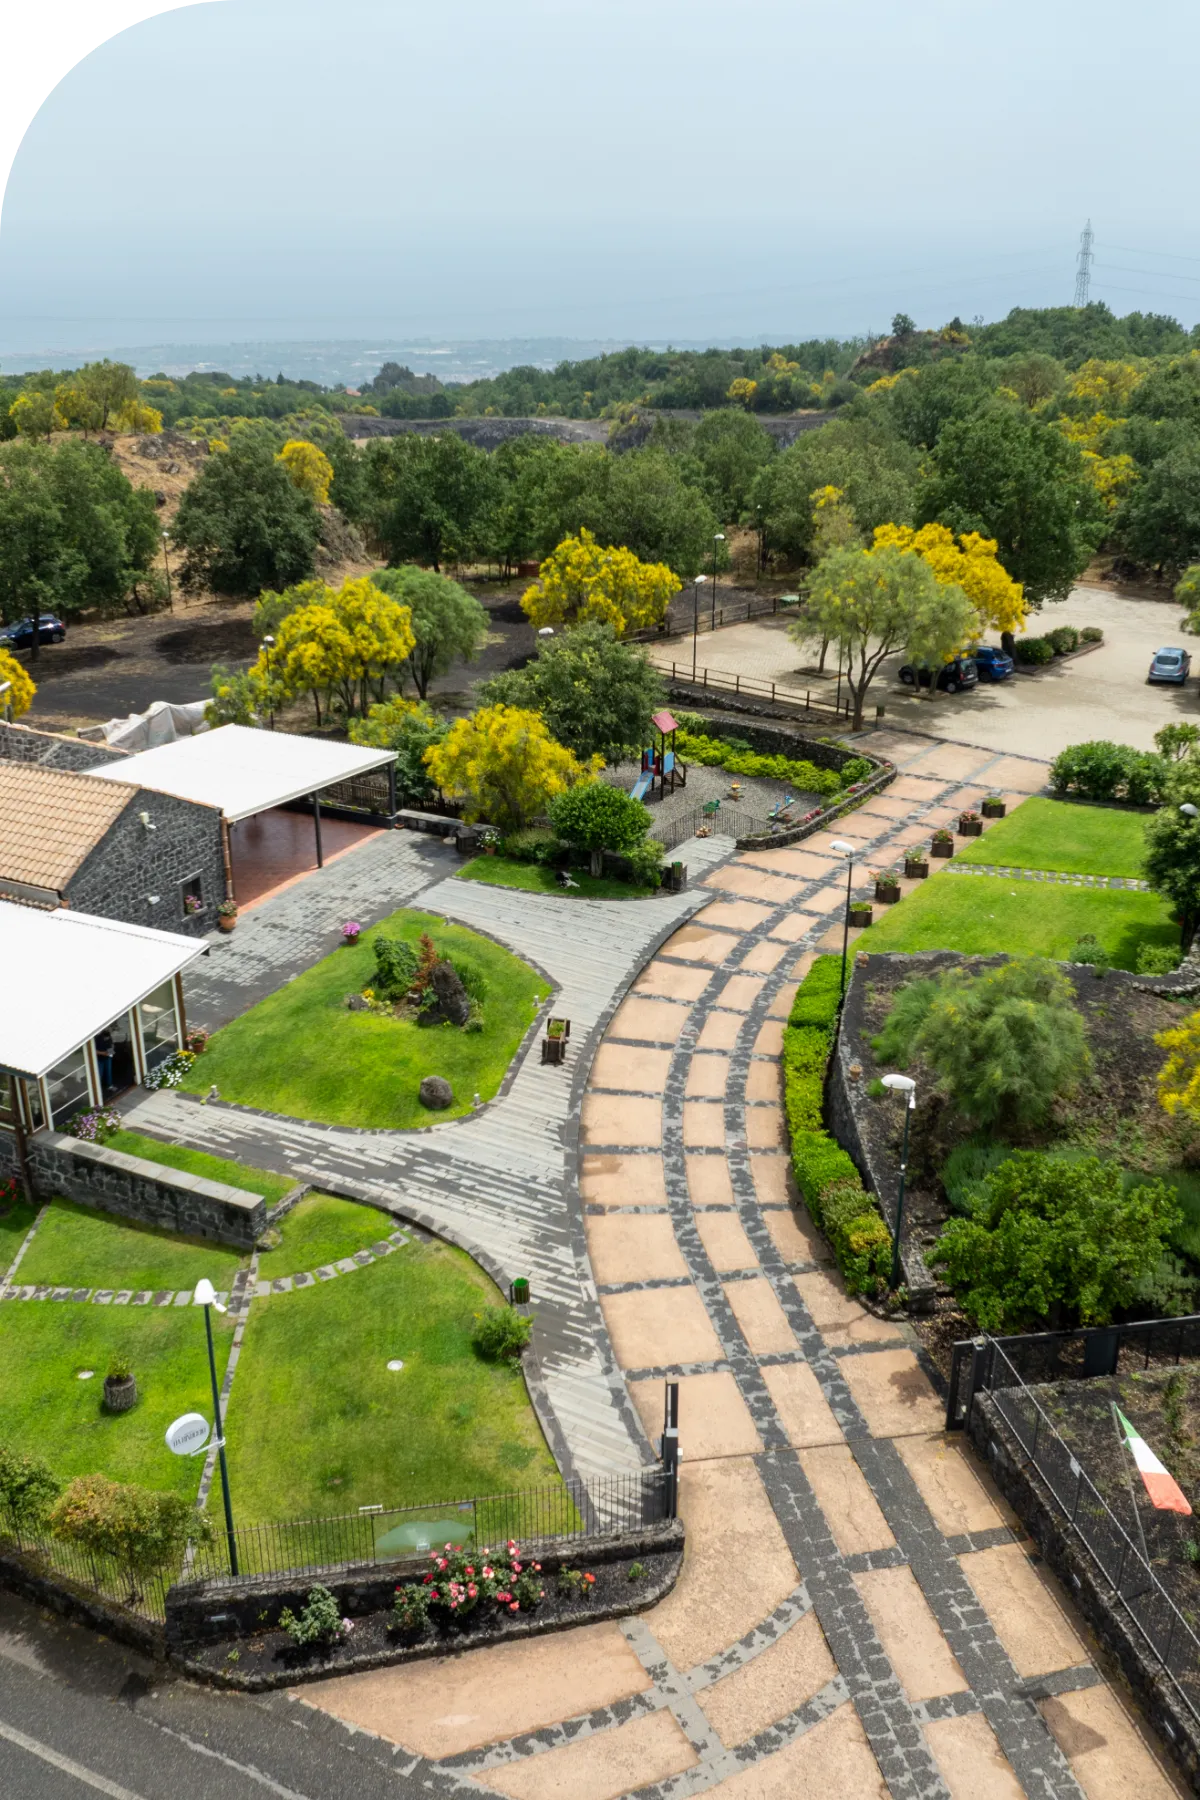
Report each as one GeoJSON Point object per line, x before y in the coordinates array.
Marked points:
{"type": "Point", "coordinates": [858, 1614]}
{"type": "Point", "coordinates": [1101, 695]}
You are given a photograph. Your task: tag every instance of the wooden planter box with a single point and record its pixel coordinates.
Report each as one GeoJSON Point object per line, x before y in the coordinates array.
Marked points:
{"type": "Point", "coordinates": [887, 892]}
{"type": "Point", "coordinates": [941, 847]}
{"type": "Point", "coordinates": [970, 828]}
{"type": "Point", "coordinates": [993, 809]}
{"type": "Point", "coordinates": [917, 869]}
{"type": "Point", "coordinates": [861, 914]}
{"type": "Point", "coordinates": [120, 1393]}
{"type": "Point", "coordinates": [554, 1050]}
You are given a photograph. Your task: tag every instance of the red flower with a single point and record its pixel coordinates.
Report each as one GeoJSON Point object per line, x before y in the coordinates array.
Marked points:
{"type": "Point", "coordinates": [514, 1606]}
{"type": "Point", "coordinates": [589, 1578]}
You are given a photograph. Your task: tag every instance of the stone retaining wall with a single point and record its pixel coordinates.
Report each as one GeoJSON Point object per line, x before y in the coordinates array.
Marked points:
{"type": "Point", "coordinates": [151, 1193]}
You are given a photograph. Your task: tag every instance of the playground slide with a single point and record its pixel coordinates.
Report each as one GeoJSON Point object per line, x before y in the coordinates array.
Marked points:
{"type": "Point", "coordinates": [641, 786]}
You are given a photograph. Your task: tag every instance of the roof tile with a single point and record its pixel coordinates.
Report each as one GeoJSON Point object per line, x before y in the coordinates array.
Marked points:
{"type": "Point", "coordinates": [50, 819]}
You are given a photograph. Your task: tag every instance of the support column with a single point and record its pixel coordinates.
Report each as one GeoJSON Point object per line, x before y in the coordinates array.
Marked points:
{"type": "Point", "coordinates": [316, 800]}
{"type": "Point", "coordinates": [392, 789]}
{"type": "Point", "coordinates": [227, 858]}
{"type": "Point", "coordinates": [180, 1011]}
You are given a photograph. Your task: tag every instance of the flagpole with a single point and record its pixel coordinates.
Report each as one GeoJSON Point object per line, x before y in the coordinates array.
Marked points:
{"type": "Point", "coordinates": [1126, 1457]}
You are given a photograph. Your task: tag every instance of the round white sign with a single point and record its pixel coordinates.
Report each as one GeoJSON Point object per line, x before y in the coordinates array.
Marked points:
{"type": "Point", "coordinates": [188, 1434]}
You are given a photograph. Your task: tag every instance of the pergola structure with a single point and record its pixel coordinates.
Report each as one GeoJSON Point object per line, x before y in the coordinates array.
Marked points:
{"type": "Point", "coordinates": [243, 771]}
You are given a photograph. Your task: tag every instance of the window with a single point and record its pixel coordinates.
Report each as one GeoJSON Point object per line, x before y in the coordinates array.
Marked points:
{"type": "Point", "coordinates": [160, 1028]}
{"type": "Point", "coordinates": [8, 1102]}
{"type": "Point", "coordinates": [67, 1086]}
{"type": "Point", "coordinates": [191, 896]}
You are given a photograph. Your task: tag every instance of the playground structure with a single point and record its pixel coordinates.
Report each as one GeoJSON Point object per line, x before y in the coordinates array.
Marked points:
{"type": "Point", "coordinates": [660, 763]}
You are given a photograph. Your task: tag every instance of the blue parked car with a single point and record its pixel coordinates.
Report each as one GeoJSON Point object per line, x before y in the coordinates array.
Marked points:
{"type": "Point", "coordinates": [993, 664]}
{"type": "Point", "coordinates": [1170, 664]}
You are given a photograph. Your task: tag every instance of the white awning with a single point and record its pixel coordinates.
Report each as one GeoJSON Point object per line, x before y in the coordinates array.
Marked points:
{"type": "Point", "coordinates": [66, 975]}
{"type": "Point", "coordinates": [243, 771]}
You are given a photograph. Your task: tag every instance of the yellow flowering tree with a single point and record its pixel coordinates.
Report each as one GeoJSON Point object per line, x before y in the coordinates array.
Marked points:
{"type": "Point", "coordinates": [742, 391]}
{"type": "Point", "coordinates": [309, 469]}
{"type": "Point", "coordinates": [583, 581]}
{"type": "Point", "coordinates": [346, 645]}
{"type": "Point", "coordinates": [1110, 475]}
{"type": "Point", "coordinates": [969, 562]}
{"type": "Point", "coordinates": [137, 416]}
{"type": "Point", "coordinates": [19, 695]}
{"type": "Point", "coordinates": [1179, 1077]}
{"type": "Point", "coordinates": [505, 766]}
{"type": "Point", "coordinates": [1105, 384]}
{"type": "Point", "coordinates": [36, 415]}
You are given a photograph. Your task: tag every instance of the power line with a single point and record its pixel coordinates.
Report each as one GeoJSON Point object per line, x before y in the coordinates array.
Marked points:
{"type": "Point", "coordinates": [1083, 269]}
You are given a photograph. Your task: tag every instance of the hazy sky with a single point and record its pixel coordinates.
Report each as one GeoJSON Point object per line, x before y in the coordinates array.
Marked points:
{"type": "Point", "coordinates": [642, 169]}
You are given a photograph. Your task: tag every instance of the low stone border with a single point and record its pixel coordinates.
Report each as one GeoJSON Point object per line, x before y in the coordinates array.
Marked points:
{"type": "Point", "coordinates": [1060, 877]}
{"type": "Point", "coordinates": [281, 1284]}
{"type": "Point", "coordinates": [1050, 1530]}
{"type": "Point", "coordinates": [1035, 669]}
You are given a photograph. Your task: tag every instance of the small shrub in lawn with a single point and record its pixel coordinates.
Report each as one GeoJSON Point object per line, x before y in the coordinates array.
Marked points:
{"type": "Point", "coordinates": [1088, 949]}
{"type": "Point", "coordinates": [576, 1584]}
{"type": "Point", "coordinates": [1063, 639]}
{"type": "Point", "coordinates": [1036, 651]}
{"type": "Point", "coordinates": [320, 1621]}
{"type": "Point", "coordinates": [395, 968]}
{"type": "Point", "coordinates": [500, 1334]}
{"type": "Point", "coordinates": [1156, 959]}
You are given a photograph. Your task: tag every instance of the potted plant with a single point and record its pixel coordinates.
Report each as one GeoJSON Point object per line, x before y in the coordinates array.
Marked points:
{"type": "Point", "coordinates": [916, 866]}
{"type": "Point", "coordinates": [887, 887]}
{"type": "Point", "coordinates": [554, 1044]}
{"type": "Point", "coordinates": [227, 915]}
{"type": "Point", "coordinates": [862, 913]}
{"type": "Point", "coordinates": [994, 807]}
{"type": "Point", "coordinates": [192, 904]}
{"type": "Point", "coordinates": [351, 932]}
{"type": "Point", "coordinates": [490, 840]}
{"type": "Point", "coordinates": [943, 842]}
{"type": "Point", "coordinates": [120, 1385]}
{"type": "Point", "coordinates": [970, 825]}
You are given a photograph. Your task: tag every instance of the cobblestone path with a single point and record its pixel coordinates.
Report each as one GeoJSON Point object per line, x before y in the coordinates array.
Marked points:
{"type": "Point", "coordinates": [858, 1614]}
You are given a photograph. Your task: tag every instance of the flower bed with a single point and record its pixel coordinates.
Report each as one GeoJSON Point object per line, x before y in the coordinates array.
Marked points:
{"type": "Point", "coordinates": [736, 756]}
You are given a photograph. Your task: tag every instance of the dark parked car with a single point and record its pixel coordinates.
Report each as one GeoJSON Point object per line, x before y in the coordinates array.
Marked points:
{"type": "Point", "coordinates": [959, 673]}
{"type": "Point", "coordinates": [993, 664]}
{"type": "Point", "coordinates": [1170, 665]}
{"type": "Point", "coordinates": [19, 636]}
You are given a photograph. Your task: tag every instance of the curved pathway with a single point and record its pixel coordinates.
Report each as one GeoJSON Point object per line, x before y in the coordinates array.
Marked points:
{"type": "Point", "coordinates": [858, 1614]}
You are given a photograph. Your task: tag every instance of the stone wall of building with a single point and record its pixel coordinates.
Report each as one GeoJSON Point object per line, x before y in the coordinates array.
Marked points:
{"type": "Point", "coordinates": [131, 864]}
{"type": "Point", "coordinates": [21, 743]}
{"type": "Point", "coordinates": [149, 1192]}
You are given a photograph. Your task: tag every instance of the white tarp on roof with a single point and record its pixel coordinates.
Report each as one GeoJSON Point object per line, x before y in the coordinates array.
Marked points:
{"type": "Point", "coordinates": [161, 723]}
{"type": "Point", "coordinates": [66, 975]}
{"type": "Point", "coordinates": [243, 771]}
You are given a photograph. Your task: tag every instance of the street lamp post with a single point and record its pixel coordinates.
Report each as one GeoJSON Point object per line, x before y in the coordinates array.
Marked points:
{"type": "Point", "coordinates": [848, 852]}
{"type": "Point", "coordinates": [205, 1296]}
{"type": "Point", "coordinates": [901, 1084]}
{"type": "Point", "coordinates": [718, 539]}
{"type": "Point", "coordinates": [695, 619]}
{"type": "Point", "coordinates": [166, 538]}
{"type": "Point", "coordinates": [267, 645]}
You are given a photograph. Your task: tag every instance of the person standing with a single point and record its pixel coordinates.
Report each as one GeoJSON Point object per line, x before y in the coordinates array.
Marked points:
{"type": "Point", "coordinates": [104, 1057]}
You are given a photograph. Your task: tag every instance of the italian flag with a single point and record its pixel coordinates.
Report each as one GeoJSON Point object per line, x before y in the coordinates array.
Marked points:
{"type": "Point", "coordinates": [1164, 1491]}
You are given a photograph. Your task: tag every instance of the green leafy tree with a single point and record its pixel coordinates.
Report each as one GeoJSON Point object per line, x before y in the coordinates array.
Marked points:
{"type": "Point", "coordinates": [242, 524]}
{"type": "Point", "coordinates": [428, 499]}
{"type": "Point", "coordinates": [1177, 742]}
{"type": "Point", "coordinates": [731, 448]}
{"type": "Point", "coordinates": [1004, 473]}
{"type": "Point", "coordinates": [640, 501]}
{"type": "Point", "coordinates": [597, 818]}
{"type": "Point", "coordinates": [595, 693]}
{"type": "Point", "coordinates": [28, 1489]}
{"type": "Point", "coordinates": [410, 729]}
{"type": "Point", "coordinates": [108, 386]}
{"type": "Point", "coordinates": [1051, 1240]}
{"type": "Point", "coordinates": [1172, 857]}
{"type": "Point", "coordinates": [35, 415]}
{"type": "Point", "coordinates": [1187, 592]}
{"type": "Point", "coordinates": [144, 1532]}
{"type": "Point", "coordinates": [1158, 521]}
{"type": "Point", "coordinates": [872, 468]}
{"type": "Point", "coordinates": [505, 764]}
{"type": "Point", "coordinates": [874, 602]}
{"type": "Point", "coordinates": [449, 624]}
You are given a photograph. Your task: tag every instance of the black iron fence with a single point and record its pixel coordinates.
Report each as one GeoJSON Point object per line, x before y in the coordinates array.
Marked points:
{"type": "Point", "coordinates": [1149, 1609]}
{"type": "Point", "coordinates": [599, 1507]}
{"type": "Point", "coordinates": [983, 1364]}
{"type": "Point", "coordinates": [725, 822]}
{"type": "Point", "coordinates": [752, 688]}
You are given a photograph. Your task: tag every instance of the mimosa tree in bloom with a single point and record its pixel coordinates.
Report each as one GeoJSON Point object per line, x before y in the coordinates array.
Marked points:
{"type": "Point", "coordinates": [505, 765]}
{"type": "Point", "coordinates": [583, 581]}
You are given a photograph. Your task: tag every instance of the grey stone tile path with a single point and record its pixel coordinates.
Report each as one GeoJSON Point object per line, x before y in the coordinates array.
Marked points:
{"type": "Point", "coordinates": [1059, 876]}
{"type": "Point", "coordinates": [497, 1182]}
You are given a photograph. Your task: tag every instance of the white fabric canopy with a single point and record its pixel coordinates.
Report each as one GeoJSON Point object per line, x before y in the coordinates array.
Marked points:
{"type": "Point", "coordinates": [67, 975]}
{"type": "Point", "coordinates": [243, 771]}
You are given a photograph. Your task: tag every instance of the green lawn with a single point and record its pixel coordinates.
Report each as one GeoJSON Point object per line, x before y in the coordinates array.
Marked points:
{"type": "Point", "coordinates": [319, 1424]}
{"type": "Point", "coordinates": [198, 1162]}
{"type": "Point", "coordinates": [320, 1229]}
{"type": "Point", "coordinates": [14, 1223]}
{"type": "Point", "coordinates": [79, 1246]}
{"type": "Point", "coordinates": [301, 1052]}
{"type": "Point", "coordinates": [502, 871]}
{"type": "Point", "coordinates": [977, 914]}
{"type": "Point", "coordinates": [1061, 835]}
{"type": "Point", "coordinates": [47, 1411]}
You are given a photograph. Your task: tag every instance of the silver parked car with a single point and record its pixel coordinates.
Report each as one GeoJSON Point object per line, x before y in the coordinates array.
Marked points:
{"type": "Point", "coordinates": [1171, 664]}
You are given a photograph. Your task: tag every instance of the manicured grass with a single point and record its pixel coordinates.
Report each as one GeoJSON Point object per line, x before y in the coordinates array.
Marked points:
{"type": "Point", "coordinates": [301, 1052]}
{"type": "Point", "coordinates": [46, 1411]}
{"type": "Point", "coordinates": [319, 1424]}
{"type": "Point", "coordinates": [502, 871]}
{"type": "Point", "coordinates": [80, 1247]}
{"type": "Point", "coordinates": [198, 1162]}
{"type": "Point", "coordinates": [320, 1229]}
{"type": "Point", "coordinates": [14, 1223]}
{"type": "Point", "coordinates": [977, 914]}
{"type": "Point", "coordinates": [1061, 835]}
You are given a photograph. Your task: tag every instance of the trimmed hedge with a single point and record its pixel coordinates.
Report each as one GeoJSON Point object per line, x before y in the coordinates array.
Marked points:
{"type": "Point", "coordinates": [825, 1173]}
{"type": "Point", "coordinates": [736, 756]}
{"type": "Point", "coordinates": [1102, 770]}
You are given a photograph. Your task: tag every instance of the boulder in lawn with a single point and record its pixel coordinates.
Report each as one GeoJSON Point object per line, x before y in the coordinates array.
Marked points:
{"type": "Point", "coordinates": [436, 1093]}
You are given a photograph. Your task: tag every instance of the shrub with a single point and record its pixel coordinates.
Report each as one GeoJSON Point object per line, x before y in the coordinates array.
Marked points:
{"type": "Point", "coordinates": [139, 1529]}
{"type": "Point", "coordinates": [1051, 1238]}
{"type": "Point", "coordinates": [910, 1009]}
{"type": "Point", "coordinates": [534, 845]}
{"type": "Point", "coordinates": [1091, 634]}
{"type": "Point", "coordinates": [1146, 778]}
{"type": "Point", "coordinates": [501, 1333]}
{"type": "Point", "coordinates": [395, 968]}
{"type": "Point", "coordinates": [320, 1622]}
{"type": "Point", "coordinates": [95, 1127]}
{"type": "Point", "coordinates": [645, 863]}
{"type": "Point", "coordinates": [736, 756]}
{"type": "Point", "coordinates": [1036, 651]}
{"type": "Point", "coordinates": [597, 817]}
{"type": "Point", "coordinates": [1156, 959]}
{"type": "Point", "coordinates": [636, 1571]}
{"type": "Point", "coordinates": [28, 1489]}
{"type": "Point", "coordinates": [1168, 1291]}
{"type": "Point", "coordinates": [965, 1170]}
{"type": "Point", "coordinates": [1088, 949]}
{"type": "Point", "coordinates": [171, 1071]}
{"type": "Point", "coordinates": [1101, 770]}
{"type": "Point", "coordinates": [576, 1584]}
{"type": "Point", "coordinates": [462, 1579]}
{"type": "Point", "coordinates": [410, 1608]}
{"type": "Point", "coordinates": [1063, 639]}
{"type": "Point", "coordinates": [857, 769]}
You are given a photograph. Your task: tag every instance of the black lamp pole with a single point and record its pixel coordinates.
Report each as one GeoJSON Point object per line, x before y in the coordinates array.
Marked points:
{"type": "Point", "coordinates": [910, 1102]}
{"type": "Point", "coordinates": [846, 921]}
{"type": "Point", "coordinates": [216, 1400]}
{"type": "Point", "coordinates": [695, 623]}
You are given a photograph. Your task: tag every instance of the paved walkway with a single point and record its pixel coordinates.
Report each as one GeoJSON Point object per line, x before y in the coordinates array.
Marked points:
{"type": "Point", "coordinates": [858, 1614]}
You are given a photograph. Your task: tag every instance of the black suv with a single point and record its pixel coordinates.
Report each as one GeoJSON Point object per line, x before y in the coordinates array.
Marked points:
{"type": "Point", "coordinates": [952, 677]}
{"type": "Point", "coordinates": [19, 636]}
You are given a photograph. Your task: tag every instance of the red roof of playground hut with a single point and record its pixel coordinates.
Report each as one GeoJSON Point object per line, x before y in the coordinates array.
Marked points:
{"type": "Point", "coordinates": [664, 721]}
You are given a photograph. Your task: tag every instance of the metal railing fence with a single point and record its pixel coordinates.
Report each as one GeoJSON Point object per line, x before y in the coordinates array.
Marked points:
{"type": "Point", "coordinates": [1045, 1356]}
{"type": "Point", "coordinates": [712, 681]}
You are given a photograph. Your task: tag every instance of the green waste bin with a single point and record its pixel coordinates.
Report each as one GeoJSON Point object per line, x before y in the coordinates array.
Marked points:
{"type": "Point", "coordinates": [520, 1291]}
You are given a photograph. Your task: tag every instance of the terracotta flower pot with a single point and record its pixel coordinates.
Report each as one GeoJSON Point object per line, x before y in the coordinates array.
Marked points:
{"type": "Point", "coordinates": [226, 921]}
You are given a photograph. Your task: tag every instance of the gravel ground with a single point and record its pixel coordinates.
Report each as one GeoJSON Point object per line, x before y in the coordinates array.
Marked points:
{"type": "Point", "coordinates": [757, 798]}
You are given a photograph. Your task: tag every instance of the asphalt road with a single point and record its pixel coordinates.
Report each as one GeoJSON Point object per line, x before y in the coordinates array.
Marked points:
{"type": "Point", "coordinates": [81, 1716]}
